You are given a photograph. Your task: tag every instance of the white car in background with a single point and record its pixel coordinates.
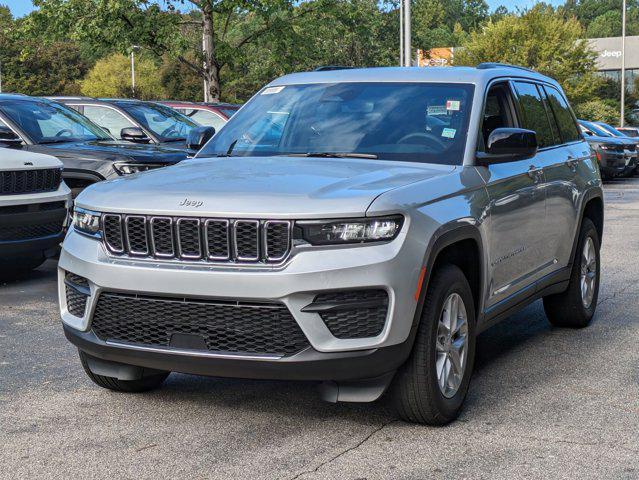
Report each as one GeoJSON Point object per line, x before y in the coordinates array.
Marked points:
{"type": "Point", "coordinates": [34, 206]}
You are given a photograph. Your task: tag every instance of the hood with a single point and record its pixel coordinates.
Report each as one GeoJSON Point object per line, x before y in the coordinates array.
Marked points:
{"type": "Point", "coordinates": [11, 159]}
{"type": "Point", "coordinates": [257, 187]}
{"type": "Point", "coordinates": [112, 151]}
{"type": "Point", "coordinates": [611, 140]}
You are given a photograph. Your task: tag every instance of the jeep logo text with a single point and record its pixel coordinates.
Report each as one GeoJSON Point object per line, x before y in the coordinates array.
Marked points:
{"type": "Point", "coordinates": [191, 203]}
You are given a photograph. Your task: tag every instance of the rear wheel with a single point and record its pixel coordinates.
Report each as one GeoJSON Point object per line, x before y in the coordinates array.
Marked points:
{"type": "Point", "coordinates": [17, 266]}
{"type": "Point", "coordinates": [576, 306]}
{"type": "Point", "coordinates": [143, 384]}
{"type": "Point", "coordinates": [431, 386]}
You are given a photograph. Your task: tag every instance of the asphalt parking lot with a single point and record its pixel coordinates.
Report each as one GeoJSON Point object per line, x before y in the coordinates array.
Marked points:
{"type": "Point", "coordinates": [544, 402]}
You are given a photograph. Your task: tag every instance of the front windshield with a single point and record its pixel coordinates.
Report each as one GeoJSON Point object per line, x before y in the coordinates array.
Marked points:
{"type": "Point", "coordinates": [596, 129]}
{"type": "Point", "coordinates": [611, 130]}
{"type": "Point", "coordinates": [49, 122]}
{"type": "Point", "coordinates": [165, 123]}
{"type": "Point", "coordinates": [417, 122]}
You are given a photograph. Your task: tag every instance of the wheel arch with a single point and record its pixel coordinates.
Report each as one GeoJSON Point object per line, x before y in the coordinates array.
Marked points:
{"type": "Point", "coordinates": [592, 207]}
{"type": "Point", "coordinates": [461, 245]}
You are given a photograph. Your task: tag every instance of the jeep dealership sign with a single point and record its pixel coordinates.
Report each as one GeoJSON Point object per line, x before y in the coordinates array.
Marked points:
{"type": "Point", "coordinates": [609, 52]}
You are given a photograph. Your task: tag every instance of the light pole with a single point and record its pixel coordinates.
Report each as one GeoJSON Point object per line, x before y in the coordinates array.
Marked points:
{"type": "Point", "coordinates": [407, 42]}
{"type": "Point", "coordinates": [0, 75]}
{"type": "Point", "coordinates": [133, 49]}
{"type": "Point", "coordinates": [623, 64]}
{"type": "Point", "coordinates": [401, 33]}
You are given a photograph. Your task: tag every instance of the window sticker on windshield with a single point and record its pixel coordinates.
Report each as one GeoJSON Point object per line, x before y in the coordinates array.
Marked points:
{"type": "Point", "coordinates": [452, 105]}
{"type": "Point", "coordinates": [272, 90]}
{"type": "Point", "coordinates": [449, 132]}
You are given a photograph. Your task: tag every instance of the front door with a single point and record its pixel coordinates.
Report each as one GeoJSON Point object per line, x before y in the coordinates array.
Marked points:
{"type": "Point", "coordinates": [517, 209]}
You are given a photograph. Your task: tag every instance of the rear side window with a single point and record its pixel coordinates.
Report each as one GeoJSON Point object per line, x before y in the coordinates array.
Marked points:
{"type": "Point", "coordinates": [563, 115]}
{"type": "Point", "coordinates": [534, 113]}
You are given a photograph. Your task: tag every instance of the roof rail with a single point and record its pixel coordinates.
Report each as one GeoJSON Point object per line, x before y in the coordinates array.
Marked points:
{"type": "Point", "coordinates": [487, 65]}
{"type": "Point", "coordinates": [328, 68]}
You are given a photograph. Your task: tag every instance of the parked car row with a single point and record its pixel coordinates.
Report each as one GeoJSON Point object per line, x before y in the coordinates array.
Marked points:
{"type": "Point", "coordinates": [55, 147]}
{"type": "Point", "coordinates": [616, 151]}
{"type": "Point", "coordinates": [98, 139]}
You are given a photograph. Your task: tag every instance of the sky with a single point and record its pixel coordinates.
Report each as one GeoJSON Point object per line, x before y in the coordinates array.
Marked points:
{"type": "Point", "coordinates": [22, 7]}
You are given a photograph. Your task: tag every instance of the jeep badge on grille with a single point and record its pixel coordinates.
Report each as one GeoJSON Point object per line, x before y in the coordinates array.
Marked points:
{"type": "Point", "coordinates": [191, 203]}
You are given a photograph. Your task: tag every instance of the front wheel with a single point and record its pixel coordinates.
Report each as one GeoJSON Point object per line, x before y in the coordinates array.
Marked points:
{"type": "Point", "coordinates": [575, 307]}
{"type": "Point", "coordinates": [431, 386]}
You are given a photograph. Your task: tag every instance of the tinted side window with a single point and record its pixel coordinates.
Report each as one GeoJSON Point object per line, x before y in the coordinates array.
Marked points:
{"type": "Point", "coordinates": [565, 120]}
{"type": "Point", "coordinates": [534, 113]}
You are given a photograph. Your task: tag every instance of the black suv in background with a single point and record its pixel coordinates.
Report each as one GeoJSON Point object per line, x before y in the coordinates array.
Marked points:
{"type": "Point", "coordinates": [617, 156]}
{"type": "Point", "coordinates": [89, 154]}
{"type": "Point", "coordinates": [135, 120]}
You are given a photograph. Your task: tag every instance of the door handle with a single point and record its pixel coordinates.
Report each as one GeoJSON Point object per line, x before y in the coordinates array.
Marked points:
{"type": "Point", "coordinates": [572, 164]}
{"type": "Point", "coordinates": [534, 173]}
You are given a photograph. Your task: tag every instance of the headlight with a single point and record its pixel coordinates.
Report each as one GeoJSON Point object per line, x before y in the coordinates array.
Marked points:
{"type": "Point", "coordinates": [332, 232]}
{"type": "Point", "coordinates": [86, 221]}
{"type": "Point", "coordinates": [608, 147]}
{"type": "Point", "coordinates": [124, 168]}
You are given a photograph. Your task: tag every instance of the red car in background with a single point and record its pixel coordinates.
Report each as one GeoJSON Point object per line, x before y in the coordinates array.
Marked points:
{"type": "Point", "coordinates": [207, 114]}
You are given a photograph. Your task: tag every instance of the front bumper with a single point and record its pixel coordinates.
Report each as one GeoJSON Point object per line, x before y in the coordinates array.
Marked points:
{"type": "Point", "coordinates": [309, 365]}
{"type": "Point", "coordinates": [33, 223]}
{"type": "Point", "coordinates": [391, 266]}
{"type": "Point", "coordinates": [613, 163]}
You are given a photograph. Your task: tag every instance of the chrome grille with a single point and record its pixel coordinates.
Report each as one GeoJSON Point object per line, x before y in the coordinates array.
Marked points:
{"type": "Point", "coordinates": [197, 239]}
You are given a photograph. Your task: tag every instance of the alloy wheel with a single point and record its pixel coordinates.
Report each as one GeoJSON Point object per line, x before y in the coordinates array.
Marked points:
{"type": "Point", "coordinates": [452, 345]}
{"type": "Point", "coordinates": [588, 272]}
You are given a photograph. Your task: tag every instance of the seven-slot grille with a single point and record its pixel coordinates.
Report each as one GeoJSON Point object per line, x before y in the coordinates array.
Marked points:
{"type": "Point", "coordinates": [198, 239]}
{"type": "Point", "coordinates": [30, 181]}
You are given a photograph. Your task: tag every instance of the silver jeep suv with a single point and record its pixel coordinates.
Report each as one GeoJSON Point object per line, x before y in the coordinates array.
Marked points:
{"type": "Point", "coordinates": [358, 228]}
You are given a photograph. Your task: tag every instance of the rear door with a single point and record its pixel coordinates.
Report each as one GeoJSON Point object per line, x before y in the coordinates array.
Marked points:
{"type": "Point", "coordinates": [565, 179]}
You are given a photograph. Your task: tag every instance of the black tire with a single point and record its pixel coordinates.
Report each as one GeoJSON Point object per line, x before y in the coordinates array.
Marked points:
{"type": "Point", "coordinates": [415, 390]}
{"type": "Point", "coordinates": [567, 309]}
{"type": "Point", "coordinates": [144, 384]}
{"type": "Point", "coordinates": [17, 267]}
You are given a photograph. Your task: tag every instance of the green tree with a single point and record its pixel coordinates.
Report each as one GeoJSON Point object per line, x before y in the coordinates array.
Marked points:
{"type": "Point", "coordinates": [438, 23]}
{"type": "Point", "coordinates": [216, 30]}
{"type": "Point", "coordinates": [540, 38]}
{"type": "Point", "coordinates": [37, 68]}
{"type": "Point", "coordinates": [605, 25]}
{"type": "Point", "coordinates": [111, 77]}
{"type": "Point", "coordinates": [598, 110]}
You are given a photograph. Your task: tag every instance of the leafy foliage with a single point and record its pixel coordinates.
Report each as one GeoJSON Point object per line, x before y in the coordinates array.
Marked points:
{"type": "Point", "coordinates": [111, 77]}
{"type": "Point", "coordinates": [541, 39]}
{"type": "Point", "coordinates": [598, 110]}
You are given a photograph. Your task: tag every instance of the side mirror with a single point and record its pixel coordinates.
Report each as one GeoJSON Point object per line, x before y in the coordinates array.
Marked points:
{"type": "Point", "coordinates": [134, 134]}
{"type": "Point", "coordinates": [198, 136]}
{"type": "Point", "coordinates": [8, 137]}
{"type": "Point", "coordinates": [508, 145]}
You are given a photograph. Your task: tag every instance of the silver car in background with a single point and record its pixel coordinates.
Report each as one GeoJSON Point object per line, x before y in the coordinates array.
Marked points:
{"type": "Point", "coordinates": [354, 227]}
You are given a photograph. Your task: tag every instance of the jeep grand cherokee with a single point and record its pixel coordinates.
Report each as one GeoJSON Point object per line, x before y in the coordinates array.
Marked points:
{"type": "Point", "coordinates": [354, 227]}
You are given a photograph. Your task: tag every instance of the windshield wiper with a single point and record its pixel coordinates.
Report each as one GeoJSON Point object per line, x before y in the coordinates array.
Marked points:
{"type": "Point", "coordinates": [229, 151]}
{"type": "Point", "coordinates": [332, 155]}
{"type": "Point", "coordinates": [178, 139]}
{"type": "Point", "coordinates": [58, 140]}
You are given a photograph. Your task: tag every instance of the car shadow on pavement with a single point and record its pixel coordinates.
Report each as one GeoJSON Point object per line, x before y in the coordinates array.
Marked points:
{"type": "Point", "coordinates": [498, 345]}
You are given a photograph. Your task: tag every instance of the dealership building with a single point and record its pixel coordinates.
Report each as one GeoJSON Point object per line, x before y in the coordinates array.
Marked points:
{"type": "Point", "coordinates": [609, 58]}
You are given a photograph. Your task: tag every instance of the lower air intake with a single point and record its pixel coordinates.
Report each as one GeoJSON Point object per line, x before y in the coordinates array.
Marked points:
{"type": "Point", "coordinates": [224, 327]}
